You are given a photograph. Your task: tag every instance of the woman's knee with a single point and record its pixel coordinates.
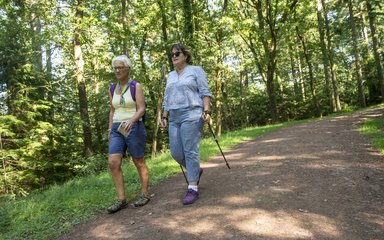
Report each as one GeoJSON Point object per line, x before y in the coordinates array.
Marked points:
{"type": "Point", "coordinates": [114, 161]}
{"type": "Point", "coordinates": [139, 162]}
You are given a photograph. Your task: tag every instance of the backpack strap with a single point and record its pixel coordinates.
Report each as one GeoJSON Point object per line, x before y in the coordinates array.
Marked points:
{"type": "Point", "coordinates": [132, 87]}
{"type": "Point", "coordinates": [112, 88]}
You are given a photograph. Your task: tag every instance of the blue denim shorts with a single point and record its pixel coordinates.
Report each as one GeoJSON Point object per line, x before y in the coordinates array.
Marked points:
{"type": "Point", "coordinates": [134, 142]}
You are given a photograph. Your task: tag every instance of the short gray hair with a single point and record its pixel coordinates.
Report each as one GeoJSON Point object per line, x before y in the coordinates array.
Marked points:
{"type": "Point", "coordinates": [124, 59]}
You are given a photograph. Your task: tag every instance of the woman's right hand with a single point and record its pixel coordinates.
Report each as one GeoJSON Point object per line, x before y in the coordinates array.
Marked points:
{"type": "Point", "coordinates": [164, 123]}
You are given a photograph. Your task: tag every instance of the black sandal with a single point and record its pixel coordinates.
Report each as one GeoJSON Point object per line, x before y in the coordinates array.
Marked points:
{"type": "Point", "coordinates": [141, 201]}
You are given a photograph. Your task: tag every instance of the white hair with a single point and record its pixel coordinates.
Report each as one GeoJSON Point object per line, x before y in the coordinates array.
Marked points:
{"type": "Point", "coordinates": [124, 59]}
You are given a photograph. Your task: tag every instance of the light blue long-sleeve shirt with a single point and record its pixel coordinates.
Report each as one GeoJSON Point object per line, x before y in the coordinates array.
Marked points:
{"type": "Point", "coordinates": [186, 90]}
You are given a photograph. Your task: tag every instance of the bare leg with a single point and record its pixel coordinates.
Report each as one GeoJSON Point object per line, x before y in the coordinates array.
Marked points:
{"type": "Point", "coordinates": [114, 161]}
{"type": "Point", "coordinates": [143, 173]}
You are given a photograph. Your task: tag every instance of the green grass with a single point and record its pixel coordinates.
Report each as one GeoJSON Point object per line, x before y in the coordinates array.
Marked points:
{"type": "Point", "coordinates": [50, 213]}
{"type": "Point", "coordinates": [375, 130]}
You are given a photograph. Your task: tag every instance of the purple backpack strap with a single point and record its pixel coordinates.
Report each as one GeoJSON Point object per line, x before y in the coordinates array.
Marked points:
{"type": "Point", "coordinates": [132, 88]}
{"type": "Point", "coordinates": [112, 88]}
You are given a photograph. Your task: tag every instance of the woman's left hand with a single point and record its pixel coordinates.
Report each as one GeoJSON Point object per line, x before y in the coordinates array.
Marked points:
{"type": "Point", "coordinates": [128, 125]}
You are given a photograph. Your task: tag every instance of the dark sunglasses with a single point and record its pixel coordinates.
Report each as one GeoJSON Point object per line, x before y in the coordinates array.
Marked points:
{"type": "Point", "coordinates": [175, 54]}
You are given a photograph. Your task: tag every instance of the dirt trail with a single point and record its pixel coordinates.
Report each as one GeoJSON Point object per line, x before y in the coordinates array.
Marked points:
{"type": "Point", "coordinates": [318, 180]}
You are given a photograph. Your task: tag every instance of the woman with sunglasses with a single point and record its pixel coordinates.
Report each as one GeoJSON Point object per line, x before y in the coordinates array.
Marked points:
{"type": "Point", "coordinates": [126, 131]}
{"type": "Point", "coordinates": [186, 106]}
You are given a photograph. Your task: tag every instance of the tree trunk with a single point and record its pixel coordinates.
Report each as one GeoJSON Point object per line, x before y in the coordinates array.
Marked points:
{"type": "Point", "coordinates": [311, 77]}
{"type": "Point", "coordinates": [296, 86]}
{"type": "Point", "coordinates": [270, 45]}
{"type": "Point", "coordinates": [99, 128]}
{"type": "Point", "coordinates": [332, 66]}
{"type": "Point", "coordinates": [188, 23]}
{"type": "Point", "coordinates": [125, 26]}
{"type": "Point", "coordinates": [79, 74]}
{"type": "Point", "coordinates": [164, 27]}
{"type": "Point", "coordinates": [325, 57]}
{"type": "Point", "coordinates": [376, 48]}
{"type": "Point", "coordinates": [159, 108]}
{"type": "Point", "coordinates": [301, 79]}
{"type": "Point", "coordinates": [50, 80]}
{"type": "Point", "coordinates": [219, 101]}
{"type": "Point", "coordinates": [356, 51]}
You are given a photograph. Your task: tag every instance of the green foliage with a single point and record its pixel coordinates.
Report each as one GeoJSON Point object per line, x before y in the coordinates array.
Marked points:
{"type": "Point", "coordinates": [375, 130]}
{"type": "Point", "coordinates": [42, 140]}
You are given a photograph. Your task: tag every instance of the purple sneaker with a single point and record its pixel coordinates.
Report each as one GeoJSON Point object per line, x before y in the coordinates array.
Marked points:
{"type": "Point", "coordinates": [191, 197]}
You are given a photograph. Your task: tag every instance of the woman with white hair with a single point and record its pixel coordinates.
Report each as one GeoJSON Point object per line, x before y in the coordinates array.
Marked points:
{"type": "Point", "coordinates": [126, 131]}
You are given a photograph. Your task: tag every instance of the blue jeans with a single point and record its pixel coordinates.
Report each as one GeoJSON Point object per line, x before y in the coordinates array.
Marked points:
{"type": "Point", "coordinates": [185, 131]}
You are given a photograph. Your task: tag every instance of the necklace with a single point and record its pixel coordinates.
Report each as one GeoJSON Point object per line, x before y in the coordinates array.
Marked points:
{"type": "Point", "coordinates": [122, 100]}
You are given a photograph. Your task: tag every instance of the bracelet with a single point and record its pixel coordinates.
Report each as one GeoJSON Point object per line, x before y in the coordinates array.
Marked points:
{"type": "Point", "coordinates": [207, 112]}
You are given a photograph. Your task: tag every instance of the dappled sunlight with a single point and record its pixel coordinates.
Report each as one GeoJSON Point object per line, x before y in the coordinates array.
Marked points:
{"type": "Point", "coordinates": [187, 220]}
{"type": "Point", "coordinates": [108, 230]}
{"type": "Point", "coordinates": [281, 190]}
{"type": "Point", "coordinates": [275, 140]}
{"type": "Point", "coordinates": [271, 157]}
{"type": "Point", "coordinates": [374, 218]}
{"type": "Point", "coordinates": [211, 164]}
{"type": "Point", "coordinates": [334, 119]}
{"type": "Point", "coordinates": [333, 165]}
{"type": "Point", "coordinates": [238, 200]}
{"type": "Point", "coordinates": [282, 224]}
{"type": "Point", "coordinates": [252, 221]}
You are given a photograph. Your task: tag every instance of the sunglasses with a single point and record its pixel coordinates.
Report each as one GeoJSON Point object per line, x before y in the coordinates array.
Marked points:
{"type": "Point", "coordinates": [175, 54]}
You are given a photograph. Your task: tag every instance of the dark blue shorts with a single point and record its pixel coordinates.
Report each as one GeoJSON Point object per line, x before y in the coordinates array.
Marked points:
{"type": "Point", "coordinates": [134, 142]}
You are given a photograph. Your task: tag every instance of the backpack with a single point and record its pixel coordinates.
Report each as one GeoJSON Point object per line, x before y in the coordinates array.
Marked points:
{"type": "Point", "coordinates": [132, 88]}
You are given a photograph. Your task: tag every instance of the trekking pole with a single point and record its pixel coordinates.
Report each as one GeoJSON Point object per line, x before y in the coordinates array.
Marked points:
{"type": "Point", "coordinates": [214, 136]}
{"type": "Point", "coordinates": [185, 177]}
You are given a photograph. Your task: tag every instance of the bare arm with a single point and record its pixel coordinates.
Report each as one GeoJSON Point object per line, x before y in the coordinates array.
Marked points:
{"type": "Point", "coordinates": [140, 107]}
{"type": "Point", "coordinates": [111, 112]}
{"type": "Point", "coordinates": [207, 109]}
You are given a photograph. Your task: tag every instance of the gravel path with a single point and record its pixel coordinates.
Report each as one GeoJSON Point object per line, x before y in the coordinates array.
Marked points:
{"type": "Point", "coordinates": [318, 180]}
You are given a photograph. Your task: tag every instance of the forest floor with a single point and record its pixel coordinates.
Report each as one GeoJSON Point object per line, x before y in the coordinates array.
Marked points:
{"type": "Point", "coordinates": [316, 180]}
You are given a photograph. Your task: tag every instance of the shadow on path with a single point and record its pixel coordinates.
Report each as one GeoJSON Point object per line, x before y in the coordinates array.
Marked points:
{"type": "Point", "coordinates": [318, 180]}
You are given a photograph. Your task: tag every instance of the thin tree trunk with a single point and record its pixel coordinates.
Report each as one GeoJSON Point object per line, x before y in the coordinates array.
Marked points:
{"type": "Point", "coordinates": [164, 27]}
{"type": "Point", "coordinates": [79, 74]}
{"type": "Point", "coordinates": [219, 101]}
{"type": "Point", "coordinates": [325, 57]}
{"type": "Point", "coordinates": [98, 124]}
{"type": "Point", "coordinates": [311, 77]}
{"type": "Point", "coordinates": [359, 73]}
{"type": "Point", "coordinates": [50, 87]}
{"type": "Point", "coordinates": [163, 79]}
{"type": "Point", "coordinates": [301, 80]}
{"type": "Point", "coordinates": [332, 66]}
{"type": "Point", "coordinates": [220, 82]}
{"type": "Point", "coordinates": [125, 26]}
{"type": "Point", "coordinates": [188, 23]}
{"type": "Point", "coordinates": [296, 87]}
{"type": "Point", "coordinates": [376, 48]}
